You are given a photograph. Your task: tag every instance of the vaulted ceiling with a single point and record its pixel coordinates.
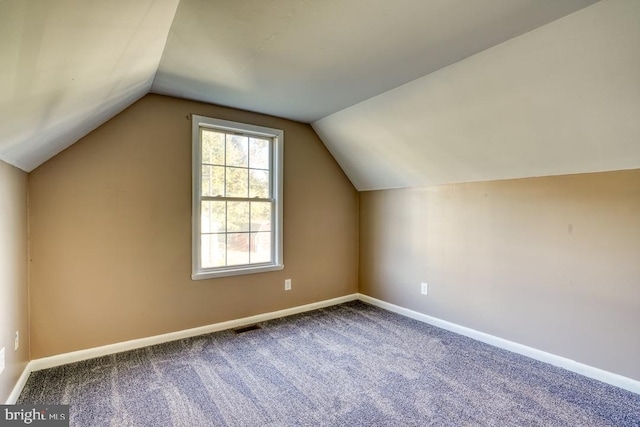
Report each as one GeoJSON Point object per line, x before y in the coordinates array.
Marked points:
{"type": "Point", "coordinates": [403, 93]}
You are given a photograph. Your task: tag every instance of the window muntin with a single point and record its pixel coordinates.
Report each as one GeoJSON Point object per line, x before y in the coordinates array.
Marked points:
{"type": "Point", "coordinates": [237, 198]}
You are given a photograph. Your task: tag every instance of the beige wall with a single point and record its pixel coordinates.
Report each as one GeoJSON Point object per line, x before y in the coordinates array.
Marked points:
{"type": "Point", "coordinates": [14, 313]}
{"type": "Point", "coordinates": [110, 224]}
{"type": "Point", "coordinates": [552, 263]}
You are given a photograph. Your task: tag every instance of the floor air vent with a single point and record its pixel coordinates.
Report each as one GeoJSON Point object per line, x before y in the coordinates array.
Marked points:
{"type": "Point", "coordinates": [246, 329]}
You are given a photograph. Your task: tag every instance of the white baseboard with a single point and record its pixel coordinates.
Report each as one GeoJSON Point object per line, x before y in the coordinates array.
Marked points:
{"type": "Point", "coordinates": [90, 353]}
{"type": "Point", "coordinates": [570, 365]}
{"type": "Point", "coordinates": [562, 362]}
{"type": "Point", "coordinates": [17, 389]}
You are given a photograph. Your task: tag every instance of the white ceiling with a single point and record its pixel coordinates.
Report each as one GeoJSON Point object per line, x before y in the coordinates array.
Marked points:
{"type": "Point", "coordinates": [67, 66]}
{"type": "Point", "coordinates": [562, 99]}
{"type": "Point", "coordinates": [306, 59]}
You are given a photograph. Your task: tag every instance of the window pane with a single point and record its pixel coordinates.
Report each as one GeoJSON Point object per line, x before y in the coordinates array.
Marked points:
{"type": "Point", "coordinates": [237, 216]}
{"type": "Point", "coordinates": [213, 250]}
{"type": "Point", "coordinates": [260, 216]}
{"type": "Point", "coordinates": [237, 182]}
{"type": "Point", "coordinates": [213, 216]}
{"type": "Point", "coordinates": [259, 153]}
{"type": "Point", "coordinates": [237, 150]}
{"type": "Point", "coordinates": [238, 248]}
{"type": "Point", "coordinates": [212, 147]}
{"type": "Point", "coordinates": [238, 177]}
{"type": "Point", "coordinates": [259, 184]}
{"type": "Point", "coordinates": [212, 181]}
{"type": "Point", "coordinates": [261, 247]}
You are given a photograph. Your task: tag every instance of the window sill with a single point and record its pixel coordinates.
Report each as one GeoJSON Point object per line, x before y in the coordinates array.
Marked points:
{"type": "Point", "coordinates": [202, 275]}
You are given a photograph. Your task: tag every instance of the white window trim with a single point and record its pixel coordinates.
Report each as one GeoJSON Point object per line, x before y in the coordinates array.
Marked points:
{"type": "Point", "coordinates": [277, 156]}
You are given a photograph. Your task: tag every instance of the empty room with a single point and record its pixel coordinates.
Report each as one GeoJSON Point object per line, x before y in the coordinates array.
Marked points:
{"type": "Point", "coordinates": [319, 213]}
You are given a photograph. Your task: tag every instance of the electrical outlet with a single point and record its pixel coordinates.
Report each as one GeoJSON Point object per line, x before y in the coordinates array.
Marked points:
{"type": "Point", "coordinates": [2, 360]}
{"type": "Point", "coordinates": [287, 285]}
{"type": "Point", "coordinates": [424, 288]}
{"type": "Point", "coordinates": [16, 341]}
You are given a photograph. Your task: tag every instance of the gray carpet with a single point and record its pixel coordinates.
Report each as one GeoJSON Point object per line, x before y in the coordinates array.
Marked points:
{"type": "Point", "coordinates": [347, 365]}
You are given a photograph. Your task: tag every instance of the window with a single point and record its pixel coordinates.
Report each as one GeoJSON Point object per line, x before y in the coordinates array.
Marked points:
{"type": "Point", "coordinates": [237, 198]}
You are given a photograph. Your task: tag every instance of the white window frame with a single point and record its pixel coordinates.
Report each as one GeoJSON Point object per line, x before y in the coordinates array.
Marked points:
{"type": "Point", "coordinates": [277, 157]}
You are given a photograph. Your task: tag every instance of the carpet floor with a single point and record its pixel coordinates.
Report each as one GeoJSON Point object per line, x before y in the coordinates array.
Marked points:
{"type": "Point", "coordinates": [346, 365]}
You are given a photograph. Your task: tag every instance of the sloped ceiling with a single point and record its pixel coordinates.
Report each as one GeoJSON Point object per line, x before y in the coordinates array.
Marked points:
{"type": "Point", "coordinates": [67, 66]}
{"type": "Point", "coordinates": [562, 99]}
{"type": "Point", "coordinates": [306, 59]}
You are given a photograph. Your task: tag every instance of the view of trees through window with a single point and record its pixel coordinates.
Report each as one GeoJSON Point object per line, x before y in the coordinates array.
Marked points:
{"type": "Point", "coordinates": [237, 205]}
